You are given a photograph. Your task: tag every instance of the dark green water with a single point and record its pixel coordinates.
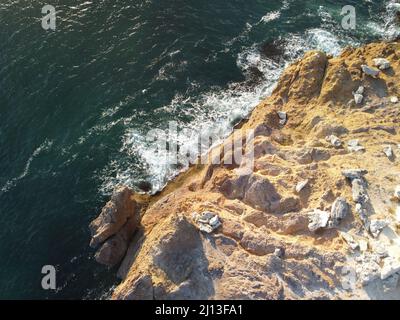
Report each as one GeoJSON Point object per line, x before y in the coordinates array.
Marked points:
{"type": "Point", "coordinates": [76, 103]}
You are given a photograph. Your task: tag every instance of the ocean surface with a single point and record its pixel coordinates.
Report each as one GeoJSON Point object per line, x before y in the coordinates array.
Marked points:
{"type": "Point", "coordinates": [76, 105]}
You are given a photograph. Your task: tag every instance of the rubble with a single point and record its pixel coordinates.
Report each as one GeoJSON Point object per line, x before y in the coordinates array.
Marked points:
{"type": "Point", "coordinates": [207, 222]}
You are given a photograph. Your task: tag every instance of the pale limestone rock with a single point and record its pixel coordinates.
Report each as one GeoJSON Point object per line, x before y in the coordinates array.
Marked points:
{"type": "Point", "coordinates": [394, 99]}
{"type": "Point", "coordinates": [370, 71]}
{"type": "Point", "coordinates": [354, 146]}
{"type": "Point", "coordinates": [390, 267]}
{"type": "Point", "coordinates": [388, 151]}
{"type": "Point", "coordinates": [376, 227]}
{"type": "Point", "coordinates": [349, 240]}
{"type": "Point", "coordinates": [301, 185]}
{"type": "Point", "coordinates": [381, 63]}
{"type": "Point", "coordinates": [334, 141]}
{"type": "Point", "coordinates": [318, 220]}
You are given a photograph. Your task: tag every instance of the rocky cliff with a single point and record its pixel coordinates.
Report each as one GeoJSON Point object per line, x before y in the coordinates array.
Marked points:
{"type": "Point", "coordinates": [317, 218]}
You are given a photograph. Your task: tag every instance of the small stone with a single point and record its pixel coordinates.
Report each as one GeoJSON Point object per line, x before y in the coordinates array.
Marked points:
{"type": "Point", "coordinates": [207, 222]}
{"type": "Point", "coordinates": [394, 99]}
{"type": "Point", "coordinates": [362, 213]}
{"type": "Point", "coordinates": [390, 267]}
{"type": "Point", "coordinates": [283, 117]}
{"type": "Point", "coordinates": [334, 140]}
{"type": "Point", "coordinates": [340, 209]}
{"type": "Point", "coordinates": [318, 219]}
{"type": "Point", "coordinates": [214, 222]}
{"type": "Point", "coordinates": [359, 191]}
{"type": "Point", "coordinates": [279, 252]}
{"type": "Point", "coordinates": [370, 71]}
{"type": "Point", "coordinates": [354, 146]}
{"type": "Point", "coordinates": [381, 63]}
{"type": "Point", "coordinates": [376, 227]}
{"type": "Point", "coordinates": [388, 151]}
{"type": "Point", "coordinates": [358, 98]}
{"type": "Point", "coordinates": [360, 90]}
{"type": "Point", "coordinates": [354, 173]}
{"type": "Point", "coordinates": [301, 185]}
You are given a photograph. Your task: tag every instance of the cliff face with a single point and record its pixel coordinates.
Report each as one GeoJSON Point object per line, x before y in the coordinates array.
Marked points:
{"type": "Point", "coordinates": [289, 227]}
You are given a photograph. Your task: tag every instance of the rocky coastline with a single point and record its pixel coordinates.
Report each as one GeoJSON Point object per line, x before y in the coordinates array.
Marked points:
{"type": "Point", "coordinates": [318, 218]}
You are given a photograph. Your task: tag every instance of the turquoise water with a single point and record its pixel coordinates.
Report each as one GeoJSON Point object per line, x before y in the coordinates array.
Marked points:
{"type": "Point", "coordinates": [76, 104]}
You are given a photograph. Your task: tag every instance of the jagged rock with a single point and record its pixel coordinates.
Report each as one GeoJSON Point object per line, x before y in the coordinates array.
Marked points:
{"type": "Point", "coordinates": [376, 226]}
{"type": "Point", "coordinates": [207, 222]}
{"type": "Point", "coordinates": [390, 267]}
{"type": "Point", "coordinates": [301, 185]}
{"type": "Point", "coordinates": [388, 151]}
{"type": "Point", "coordinates": [370, 71]}
{"type": "Point", "coordinates": [282, 117]}
{"type": "Point", "coordinates": [354, 146]}
{"type": "Point", "coordinates": [362, 213]}
{"type": "Point", "coordinates": [113, 216]}
{"type": "Point", "coordinates": [381, 63]}
{"type": "Point", "coordinates": [113, 250]}
{"type": "Point", "coordinates": [334, 140]}
{"type": "Point", "coordinates": [359, 191]}
{"type": "Point", "coordinates": [352, 174]}
{"type": "Point", "coordinates": [339, 211]}
{"type": "Point", "coordinates": [358, 98]}
{"type": "Point", "coordinates": [318, 220]}
{"type": "Point", "coordinates": [261, 194]}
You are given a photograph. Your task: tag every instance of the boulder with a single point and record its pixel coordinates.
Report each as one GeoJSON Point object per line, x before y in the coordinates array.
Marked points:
{"type": "Point", "coordinates": [261, 193]}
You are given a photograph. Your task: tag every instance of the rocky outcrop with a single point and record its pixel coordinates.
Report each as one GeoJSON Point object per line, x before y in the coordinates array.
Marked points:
{"type": "Point", "coordinates": [316, 219]}
{"type": "Point", "coordinates": [113, 229]}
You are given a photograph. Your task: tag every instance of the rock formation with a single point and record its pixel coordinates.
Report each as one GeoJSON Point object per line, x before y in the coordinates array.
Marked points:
{"type": "Point", "coordinates": [314, 220]}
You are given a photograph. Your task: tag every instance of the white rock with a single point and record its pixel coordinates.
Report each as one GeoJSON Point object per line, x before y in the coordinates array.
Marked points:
{"type": "Point", "coordinates": [394, 99]}
{"type": "Point", "coordinates": [354, 173]}
{"type": "Point", "coordinates": [318, 219]}
{"type": "Point", "coordinates": [358, 98]}
{"type": "Point", "coordinates": [390, 267]}
{"type": "Point", "coordinates": [370, 71]}
{"type": "Point", "coordinates": [214, 222]}
{"type": "Point", "coordinates": [301, 185]}
{"type": "Point", "coordinates": [376, 227]}
{"type": "Point", "coordinates": [388, 151]}
{"type": "Point", "coordinates": [354, 146]}
{"type": "Point", "coordinates": [334, 140]}
{"type": "Point", "coordinates": [363, 245]}
{"type": "Point", "coordinates": [360, 90]}
{"type": "Point", "coordinates": [207, 222]}
{"type": "Point", "coordinates": [381, 63]}
{"type": "Point", "coordinates": [283, 117]}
